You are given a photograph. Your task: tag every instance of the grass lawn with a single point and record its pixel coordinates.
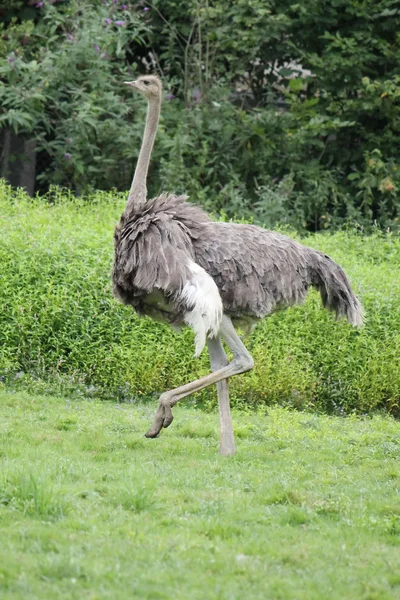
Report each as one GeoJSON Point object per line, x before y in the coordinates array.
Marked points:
{"type": "Point", "coordinates": [309, 508]}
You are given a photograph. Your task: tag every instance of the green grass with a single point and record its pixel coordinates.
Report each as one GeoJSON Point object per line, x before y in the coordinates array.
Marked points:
{"type": "Point", "coordinates": [62, 331]}
{"type": "Point", "coordinates": [309, 507]}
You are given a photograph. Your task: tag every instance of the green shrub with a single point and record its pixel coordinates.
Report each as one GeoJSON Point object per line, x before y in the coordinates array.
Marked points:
{"type": "Point", "coordinates": [282, 112]}
{"type": "Point", "coordinates": [60, 325]}
{"type": "Point", "coordinates": [61, 83]}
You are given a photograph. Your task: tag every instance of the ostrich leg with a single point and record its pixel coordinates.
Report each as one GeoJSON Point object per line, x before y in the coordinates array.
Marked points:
{"type": "Point", "coordinates": [241, 362]}
{"type": "Point", "coordinates": [219, 359]}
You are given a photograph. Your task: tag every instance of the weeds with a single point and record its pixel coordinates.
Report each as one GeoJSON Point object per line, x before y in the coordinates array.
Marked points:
{"type": "Point", "coordinates": [61, 331]}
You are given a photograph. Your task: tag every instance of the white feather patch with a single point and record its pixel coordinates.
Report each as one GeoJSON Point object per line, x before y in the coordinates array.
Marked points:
{"type": "Point", "coordinates": [205, 317]}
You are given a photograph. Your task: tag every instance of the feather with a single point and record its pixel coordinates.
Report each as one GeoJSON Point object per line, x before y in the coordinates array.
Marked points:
{"type": "Point", "coordinates": [255, 271]}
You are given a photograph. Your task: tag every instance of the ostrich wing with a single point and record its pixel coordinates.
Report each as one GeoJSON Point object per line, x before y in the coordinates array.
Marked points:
{"type": "Point", "coordinates": [259, 271]}
{"type": "Point", "coordinates": [256, 271]}
{"type": "Point", "coordinates": [153, 252]}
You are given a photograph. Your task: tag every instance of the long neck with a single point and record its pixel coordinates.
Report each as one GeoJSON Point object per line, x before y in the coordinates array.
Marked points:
{"type": "Point", "coordinates": [138, 192]}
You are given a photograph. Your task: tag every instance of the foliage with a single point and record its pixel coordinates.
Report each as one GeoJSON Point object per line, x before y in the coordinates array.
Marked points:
{"type": "Point", "coordinates": [267, 102]}
{"type": "Point", "coordinates": [62, 83]}
{"type": "Point", "coordinates": [310, 500]}
{"type": "Point", "coordinates": [333, 71]}
{"type": "Point", "coordinates": [60, 327]}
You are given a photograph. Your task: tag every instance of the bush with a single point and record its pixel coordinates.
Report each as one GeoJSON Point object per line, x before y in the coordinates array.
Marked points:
{"type": "Point", "coordinates": [62, 85]}
{"type": "Point", "coordinates": [319, 85]}
{"type": "Point", "coordinates": [280, 112]}
{"type": "Point", "coordinates": [60, 326]}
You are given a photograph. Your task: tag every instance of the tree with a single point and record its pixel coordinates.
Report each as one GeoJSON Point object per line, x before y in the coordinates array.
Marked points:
{"type": "Point", "coordinates": [276, 110]}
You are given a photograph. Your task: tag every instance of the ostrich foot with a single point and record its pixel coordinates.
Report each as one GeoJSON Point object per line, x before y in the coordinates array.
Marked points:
{"type": "Point", "coordinates": [162, 418]}
{"type": "Point", "coordinates": [151, 434]}
{"type": "Point", "coordinates": [168, 417]}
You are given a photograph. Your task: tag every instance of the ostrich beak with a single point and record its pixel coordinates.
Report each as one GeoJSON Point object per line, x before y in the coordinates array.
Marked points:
{"type": "Point", "coordinates": [130, 83]}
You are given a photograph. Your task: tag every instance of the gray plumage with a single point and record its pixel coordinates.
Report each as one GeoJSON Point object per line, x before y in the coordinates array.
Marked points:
{"type": "Point", "coordinates": [256, 271]}
{"type": "Point", "coordinates": [174, 264]}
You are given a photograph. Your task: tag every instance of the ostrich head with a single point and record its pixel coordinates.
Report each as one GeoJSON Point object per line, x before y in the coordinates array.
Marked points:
{"type": "Point", "coordinates": [148, 85]}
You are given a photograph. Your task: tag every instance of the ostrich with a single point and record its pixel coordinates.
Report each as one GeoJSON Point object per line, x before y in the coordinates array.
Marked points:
{"type": "Point", "coordinates": [174, 264]}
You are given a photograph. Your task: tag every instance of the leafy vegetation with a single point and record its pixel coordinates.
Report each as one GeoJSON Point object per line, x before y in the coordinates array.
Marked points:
{"type": "Point", "coordinates": [276, 111]}
{"type": "Point", "coordinates": [61, 85]}
{"type": "Point", "coordinates": [308, 508]}
{"type": "Point", "coordinates": [61, 329]}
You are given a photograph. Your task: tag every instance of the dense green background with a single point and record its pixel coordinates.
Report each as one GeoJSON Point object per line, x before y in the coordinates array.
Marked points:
{"type": "Point", "coordinates": [309, 506]}
{"type": "Point", "coordinates": [61, 329]}
{"type": "Point", "coordinates": [281, 113]}
{"type": "Point", "coordinates": [276, 110]}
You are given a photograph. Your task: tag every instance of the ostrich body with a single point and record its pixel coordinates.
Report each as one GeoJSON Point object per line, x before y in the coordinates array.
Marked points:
{"type": "Point", "coordinates": [174, 264]}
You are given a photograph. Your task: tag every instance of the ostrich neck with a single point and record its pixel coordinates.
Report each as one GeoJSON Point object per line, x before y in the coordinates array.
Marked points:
{"type": "Point", "coordinates": [138, 192]}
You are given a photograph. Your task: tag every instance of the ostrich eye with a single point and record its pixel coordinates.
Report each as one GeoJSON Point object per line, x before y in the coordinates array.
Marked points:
{"type": "Point", "coordinates": [146, 82]}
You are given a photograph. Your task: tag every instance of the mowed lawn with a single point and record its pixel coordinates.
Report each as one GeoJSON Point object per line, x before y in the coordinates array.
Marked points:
{"type": "Point", "coordinates": [309, 508]}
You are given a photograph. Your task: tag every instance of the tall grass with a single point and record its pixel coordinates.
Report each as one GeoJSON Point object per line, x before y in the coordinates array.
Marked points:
{"type": "Point", "coordinates": [61, 328]}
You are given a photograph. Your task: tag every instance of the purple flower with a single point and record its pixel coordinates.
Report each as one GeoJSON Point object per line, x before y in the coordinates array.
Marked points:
{"type": "Point", "coordinates": [11, 60]}
{"type": "Point", "coordinates": [70, 37]}
{"type": "Point", "coordinates": [170, 96]}
{"type": "Point", "coordinates": [146, 8]}
{"type": "Point", "coordinates": [107, 21]}
{"type": "Point", "coordinates": [104, 55]}
{"type": "Point", "coordinates": [97, 48]}
{"type": "Point", "coordinates": [39, 5]}
{"type": "Point", "coordinates": [67, 156]}
{"type": "Point", "coordinates": [120, 23]}
{"type": "Point", "coordinates": [196, 95]}
{"type": "Point", "coordinates": [123, 7]}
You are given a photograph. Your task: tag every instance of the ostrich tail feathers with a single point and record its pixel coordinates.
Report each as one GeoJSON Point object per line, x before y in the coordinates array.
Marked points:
{"type": "Point", "coordinates": [335, 289]}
